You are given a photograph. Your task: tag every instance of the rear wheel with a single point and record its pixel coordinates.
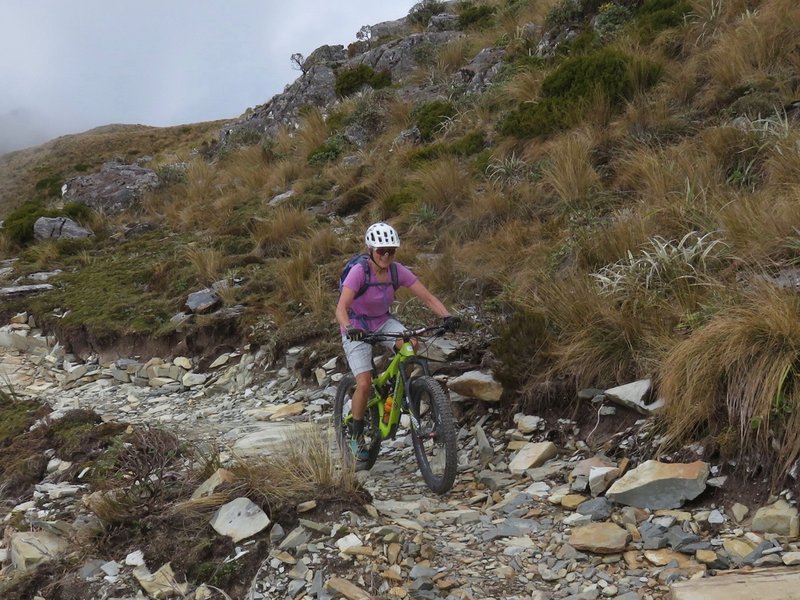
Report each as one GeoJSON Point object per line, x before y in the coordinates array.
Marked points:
{"type": "Point", "coordinates": [435, 438]}
{"type": "Point", "coordinates": [341, 422]}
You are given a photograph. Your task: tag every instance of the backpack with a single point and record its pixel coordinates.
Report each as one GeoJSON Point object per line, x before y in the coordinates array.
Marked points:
{"type": "Point", "coordinates": [363, 260]}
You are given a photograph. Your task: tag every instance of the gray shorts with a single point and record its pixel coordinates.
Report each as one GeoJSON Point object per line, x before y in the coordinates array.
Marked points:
{"type": "Point", "coordinates": [359, 354]}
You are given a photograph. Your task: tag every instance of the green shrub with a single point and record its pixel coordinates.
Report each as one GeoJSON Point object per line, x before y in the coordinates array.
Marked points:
{"type": "Point", "coordinates": [475, 16]}
{"type": "Point", "coordinates": [392, 204]}
{"type": "Point", "coordinates": [610, 19]}
{"type": "Point", "coordinates": [655, 16]}
{"type": "Point", "coordinates": [581, 77]}
{"type": "Point", "coordinates": [18, 226]}
{"type": "Point", "coordinates": [531, 120]}
{"type": "Point", "coordinates": [351, 79]}
{"type": "Point", "coordinates": [470, 144]}
{"type": "Point", "coordinates": [570, 89]}
{"type": "Point", "coordinates": [564, 13]}
{"type": "Point", "coordinates": [327, 151]}
{"type": "Point", "coordinates": [49, 187]}
{"type": "Point", "coordinates": [422, 11]}
{"type": "Point", "coordinates": [430, 116]}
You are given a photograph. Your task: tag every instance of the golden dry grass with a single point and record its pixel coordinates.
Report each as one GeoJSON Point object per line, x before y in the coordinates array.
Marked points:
{"type": "Point", "coordinates": [597, 340]}
{"type": "Point", "coordinates": [272, 235]}
{"type": "Point", "coordinates": [454, 54]}
{"type": "Point", "coordinates": [738, 374]}
{"type": "Point", "coordinates": [284, 173]}
{"type": "Point", "coordinates": [313, 131]}
{"type": "Point", "coordinates": [758, 225]}
{"type": "Point", "coordinates": [569, 173]}
{"type": "Point", "coordinates": [754, 46]}
{"type": "Point", "coordinates": [525, 86]}
{"type": "Point", "coordinates": [207, 263]}
{"type": "Point", "coordinates": [304, 468]}
{"type": "Point", "coordinates": [443, 184]}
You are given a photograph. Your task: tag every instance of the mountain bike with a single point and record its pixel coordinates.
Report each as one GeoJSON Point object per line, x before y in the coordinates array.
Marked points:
{"type": "Point", "coordinates": [404, 387]}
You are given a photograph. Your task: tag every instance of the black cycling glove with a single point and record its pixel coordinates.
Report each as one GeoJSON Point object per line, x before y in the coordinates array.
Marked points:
{"type": "Point", "coordinates": [451, 323]}
{"type": "Point", "coordinates": [354, 334]}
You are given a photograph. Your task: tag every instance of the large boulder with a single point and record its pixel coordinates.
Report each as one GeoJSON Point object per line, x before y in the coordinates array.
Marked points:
{"type": "Point", "coordinates": [58, 228]}
{"type": "Point", "coordinates": [116, 188]}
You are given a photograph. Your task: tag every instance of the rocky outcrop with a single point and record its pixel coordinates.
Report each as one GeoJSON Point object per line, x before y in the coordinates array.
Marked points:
{"type": "Point", "coordinates": [116, 188]}
{"type": "Point", "coordinates": [316, 86]}
{"type": "Point", "coordinates": [58, 228]}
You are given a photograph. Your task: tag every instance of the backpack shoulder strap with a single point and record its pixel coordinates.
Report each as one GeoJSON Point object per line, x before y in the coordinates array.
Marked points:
{"type": "Point", "coordinates": [363, 260]}
{"type": "Point", "coordinates": [395, 276]}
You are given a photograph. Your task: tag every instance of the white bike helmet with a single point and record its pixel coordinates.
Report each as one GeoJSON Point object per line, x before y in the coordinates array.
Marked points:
{"type": "Point", "coordinates": [381, 235]}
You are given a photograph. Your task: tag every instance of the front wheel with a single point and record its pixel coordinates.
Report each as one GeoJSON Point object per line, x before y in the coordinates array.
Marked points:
{"type": "Point", "coordinates": [435, 438]}
{"type": "Point", "coordinates": [342, 417]}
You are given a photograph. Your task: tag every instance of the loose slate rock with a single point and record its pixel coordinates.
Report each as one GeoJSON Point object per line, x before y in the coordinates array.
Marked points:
{"type": "Point", "coordinates": [600, 538]}
{"type": "Point", "coordinates": [657, 485]}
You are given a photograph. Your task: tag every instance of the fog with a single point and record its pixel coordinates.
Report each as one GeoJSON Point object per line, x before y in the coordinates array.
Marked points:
{"type": "Point", "coordinates": [67, 66]}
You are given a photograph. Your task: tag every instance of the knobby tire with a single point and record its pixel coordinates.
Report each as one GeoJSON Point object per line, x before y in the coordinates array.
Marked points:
{"type": "Point", "coordinates": [436, 440]}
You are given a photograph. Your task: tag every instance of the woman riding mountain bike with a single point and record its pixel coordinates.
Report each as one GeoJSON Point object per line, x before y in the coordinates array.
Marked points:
{"type": "Point", "coordinates": [366, 297]}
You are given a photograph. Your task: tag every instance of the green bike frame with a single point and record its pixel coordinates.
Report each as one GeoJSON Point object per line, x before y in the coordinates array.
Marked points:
{"type": "Point", "coordinates": [404, 356]}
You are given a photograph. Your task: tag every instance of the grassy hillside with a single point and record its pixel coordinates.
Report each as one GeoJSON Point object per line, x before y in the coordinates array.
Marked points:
{"type": "Point", "coordinates": [39, 172]}
{"type": "Point", "coordinates": [625, 208]}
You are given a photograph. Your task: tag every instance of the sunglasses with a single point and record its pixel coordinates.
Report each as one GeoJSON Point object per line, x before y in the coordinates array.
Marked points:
{"type": "Point", "coordinates": [385, 251]}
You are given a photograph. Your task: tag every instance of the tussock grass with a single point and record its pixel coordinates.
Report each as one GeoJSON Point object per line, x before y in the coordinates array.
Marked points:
{"type": "Point", "coordinates": [443, 184]}
{"type": "Point", "coordinates": [284, 173]}
{"type": "Point", "coordinates": [569, 173]}
{"type": "Point", "coordinates": [305, 468]}
{"type": "Point", "coordinates": [783, 164]}
{"type": "Point", "coordinates": [502, 261]}
{"type": "Point", "coordinates": [313, 132]}
{"type": "Point", "coordinates": [525, 86]}
{"type": "Point", "coordinates": [207, 263]}
{"type": "Point", "coordinates": [758, 225]}
{"type": "Point", "coordinates": [247, 169]}
{"type": "Point", "coordinates": [738, 376]}
{"type": "Point", "coordinates": [291, 275]}
{"type": "Point", "coordinates": [272, 234]}
{"type": "Point", "coordinates": [756, 45]}
{"type": "Point", "coordinates": [597, 341]}
{"type": "Point", "coordinates": [626, 231]}
{"type": "Point", "coordinates": [200, 182]}
{"type": "Point", "coordinates": [454, 54]}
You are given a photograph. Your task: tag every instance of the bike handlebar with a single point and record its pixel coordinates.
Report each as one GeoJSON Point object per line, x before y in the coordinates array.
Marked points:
{"type": "Point", "coordinates": [405, 335]}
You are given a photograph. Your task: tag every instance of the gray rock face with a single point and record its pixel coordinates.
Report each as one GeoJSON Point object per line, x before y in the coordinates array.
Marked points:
{"type": "Point", "coordinates": [115, 188]}
{"type": "Point", "coordinates": [315, 87]}
{"type": "Point", "coordinates": [391, 28]}
{"type": "Point", "coordinates": [481, 70]}
{"type": "Point", "coordinates": [397, 56]}
{"type": "Point", "coordinates": [58, 228]}
{"type": "Point", "coordinates": [325, 55]}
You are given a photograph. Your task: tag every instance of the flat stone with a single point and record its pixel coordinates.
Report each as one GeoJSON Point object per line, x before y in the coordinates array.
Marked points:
{"type": "Point", "coordinates": [346, 589]}
{"type": "Point", "coordinates": [239, 519]}
{"type": "Point", "coordinates": [533, 454]}
{"type": "Point", "coordinates": [477, 384]}
{"type": "Point", "coordinates": [655, 485]}
{"type": "Point", "coordinates": [600, 538]}
{"type": "Point", "coordinates": [780, 518]}
{"type": "Point", "coordinates": [30, 548]}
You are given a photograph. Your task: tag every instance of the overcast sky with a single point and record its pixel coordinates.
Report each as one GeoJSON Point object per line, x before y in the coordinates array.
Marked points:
{"type": "Point", "coordinates": [67, 66]}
